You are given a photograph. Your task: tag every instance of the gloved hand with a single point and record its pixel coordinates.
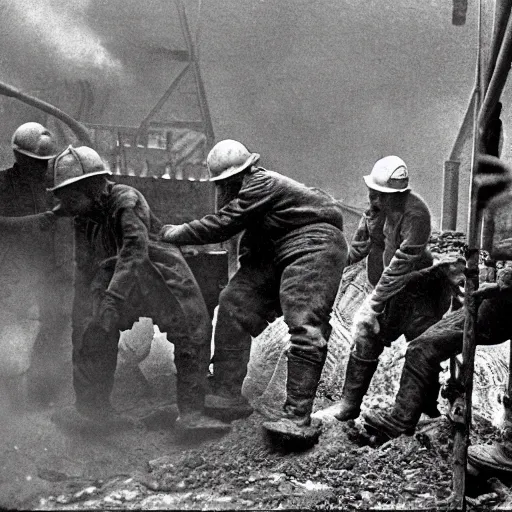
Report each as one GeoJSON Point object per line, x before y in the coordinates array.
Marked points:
{"type": "Point", "coordinates": [107, 316]}
{"type": "Point", "coordinates": [169, 232]}
{"type": "Point", "coordinates": [366, 318]}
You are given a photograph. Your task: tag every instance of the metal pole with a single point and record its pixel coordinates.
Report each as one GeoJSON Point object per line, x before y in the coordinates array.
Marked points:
{"type": "Point", "coordinates": [462, 405]}
{"type": "Point", "coordinates": [78, 128]}
{"type": "Point", "coordinates": [499, 77]}
{"type": "Point", "coordinates": [501, 15]}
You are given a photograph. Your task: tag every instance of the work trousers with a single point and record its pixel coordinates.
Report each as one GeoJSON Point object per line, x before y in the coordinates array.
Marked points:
{"type": "Point", "coordinates": [410, 313]}
{"type": "Point", "coordinates": [298, 277]}
{"type": "Point", "coordinates": [166, 292]}
{"type": "Point", "coordinates": [444, 339]}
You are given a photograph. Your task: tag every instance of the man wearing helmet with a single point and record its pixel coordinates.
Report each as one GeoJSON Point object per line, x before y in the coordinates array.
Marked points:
{"type": "Point", "coordinates": [292, 254]}
{"type": "Point", "coordinates": [122, 273]}
{"type": "Point", "coordinates": [23, 194]}
{"type": "Point", "coordinates": [408, 295]}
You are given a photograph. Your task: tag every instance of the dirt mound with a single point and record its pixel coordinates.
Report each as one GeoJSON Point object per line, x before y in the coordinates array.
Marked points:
{"type": "Point", "coordinates": [242, 471]}
{"type": "Point", "coordinates": [155, 469]}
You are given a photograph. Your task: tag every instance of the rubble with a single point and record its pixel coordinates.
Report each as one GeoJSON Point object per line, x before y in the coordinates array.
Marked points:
{"type": "Point", "coordinates": [244, 471]}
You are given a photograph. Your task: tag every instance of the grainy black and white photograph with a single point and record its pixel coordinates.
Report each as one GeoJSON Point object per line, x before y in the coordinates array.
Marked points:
{"type": "Point", "coordinates": [255, 255]}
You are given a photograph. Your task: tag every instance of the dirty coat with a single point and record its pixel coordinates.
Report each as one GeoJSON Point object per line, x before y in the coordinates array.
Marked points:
{"type": "Point", "coordinates": [36, 274]}
{"type": "Point", "coordinates": [401, 238]}
{"type": "Point", "coordinates": [396, 247]}
{"type": "Point", "coordinates": [118, 254]}
{"type": "Point", "coordinates": [292, 255]}
{"type": "Point", "coordinates": [30, 251]}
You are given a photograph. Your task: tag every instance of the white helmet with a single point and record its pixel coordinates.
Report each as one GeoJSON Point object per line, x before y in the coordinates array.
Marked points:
{"type": "Point", "coordinates": [34, 140]}
{"type": "Point", "coordinates": [227, 158]}
{"type": "Point", "coordinates": [389, 174]}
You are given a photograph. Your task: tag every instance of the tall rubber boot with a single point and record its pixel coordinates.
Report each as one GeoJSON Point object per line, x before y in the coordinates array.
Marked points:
{"type": "Point", "coordinates": [226, 401]}
{"type": "Point", "coordinates": [409, 403]}
{"type": "Point", "coordinates": [192, 421]}
{"type": "Point", "coordinates": [358, 377]}
{"type": "Point", "coordinates": [296, 424]}
{"type": "Point", "coordinates": [94, 368]}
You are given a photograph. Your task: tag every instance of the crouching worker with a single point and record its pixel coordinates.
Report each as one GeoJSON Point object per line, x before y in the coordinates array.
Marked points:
{"type": "Point", "coordinates": [291, 256]}
{"type": "Point", "coordinates": [122, 273]}
{"type": "Point", "coordinates": [407, 299]}
{"type": "Point", "coordinates": [437, 344]}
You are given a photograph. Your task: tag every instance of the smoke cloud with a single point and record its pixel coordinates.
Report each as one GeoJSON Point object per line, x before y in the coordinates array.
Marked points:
{"type": "Point", "coordinates": [54, 33]}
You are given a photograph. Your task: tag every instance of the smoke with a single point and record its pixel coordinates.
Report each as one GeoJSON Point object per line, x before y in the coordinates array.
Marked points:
{"type": "Point", "coordinates": [55, 33]}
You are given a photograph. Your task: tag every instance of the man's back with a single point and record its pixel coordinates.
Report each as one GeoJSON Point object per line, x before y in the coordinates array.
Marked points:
{"type": "Point", "coordinates": [24, 192]}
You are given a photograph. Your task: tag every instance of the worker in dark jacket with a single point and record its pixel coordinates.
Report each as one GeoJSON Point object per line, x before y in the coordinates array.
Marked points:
{"type": "Point", "coordinates": [437, 344]}
{"type": "Point", "coordinates": [393, 234]}
{"type": "Point", "coordinates": [292, 254]}
{"type": "Point", "coordinates": [33, 278]}
{"type": "Point", "coordinates": [123, 273]}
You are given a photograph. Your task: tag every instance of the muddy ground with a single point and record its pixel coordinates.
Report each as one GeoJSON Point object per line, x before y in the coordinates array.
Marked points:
{"type": "Point", "coordinates": [154, 468]}
{"type": "Point", "coordinates": [151, 467]}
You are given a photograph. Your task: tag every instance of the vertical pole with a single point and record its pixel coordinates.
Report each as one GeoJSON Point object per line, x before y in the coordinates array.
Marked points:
{"type": "Point", "coordinates": [450, 195]}
{"type": "Point", "coordinates": [461, 440]}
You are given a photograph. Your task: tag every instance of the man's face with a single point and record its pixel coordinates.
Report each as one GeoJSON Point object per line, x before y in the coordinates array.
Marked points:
{"type": "Point", "coordinates": [73, 201]}
{"type": "Point", "coordinates": [228, 189]}
{"type": "Point", "coordinates": [375, 200]}
{"type": "Point", "coordinates": [382, 201]}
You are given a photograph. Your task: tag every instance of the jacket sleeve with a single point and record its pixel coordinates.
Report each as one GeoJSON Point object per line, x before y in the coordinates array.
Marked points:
{"type": "Point", "coordinates": [369, 234]}
{"type": "Point", "coordinates": [255, 199]}
{"type": "Point", "coordinates": [132, 256]}
{"type": "Point", "coordinates": [415, 231]}
{"type": "Point", "coordinates": [360, 243]}
{"type": "Point", "coordinates": [27, 224]}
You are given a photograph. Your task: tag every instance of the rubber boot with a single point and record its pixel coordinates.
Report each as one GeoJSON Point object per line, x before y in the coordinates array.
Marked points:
{"type": "Point", "coordinates": [358, 376]}
{"type": "Point", "coordinates": [191, 387]}
{"type": "Point", "coordinates": [408, 406]}
{"type": "Point", "coordinates": [296, 424]}
{"type": "Point", "coordinates": [226, 402]}
{"type": "Point", "coordinates": [91, 418]}
{"type": "Point", "coordinates": [196, 423]}
{"type": "Point", "coordinates": [94, 367]}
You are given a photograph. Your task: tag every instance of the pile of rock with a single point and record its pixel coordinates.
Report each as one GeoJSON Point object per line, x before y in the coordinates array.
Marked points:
{"type": "Point", "coordinates": [447, 242]}
{"type": "Point", "coordinates": [265, 384]}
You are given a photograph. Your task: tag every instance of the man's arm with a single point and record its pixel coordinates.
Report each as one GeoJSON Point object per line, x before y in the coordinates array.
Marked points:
{"type": "Point", "coordinates": [134, 253]}
{"type": "Point", "coordinates": [415, 234]}
{"type": "Point", "coordinates": [253, 201]}
{"type": "Point", "coordinates": [368, 235]}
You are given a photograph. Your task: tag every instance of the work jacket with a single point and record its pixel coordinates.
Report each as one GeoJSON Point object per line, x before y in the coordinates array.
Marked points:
{"type": "Point", "coordinates": [24, 193]}
{"type": "Point", "coordinates": [397, 243]}
{"type": "Point", "coordinates": [269, 206]}
{"type": "Point", "coordinates": [122, 235]}
{"type": "Point", "coordinates": [27, 242]}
